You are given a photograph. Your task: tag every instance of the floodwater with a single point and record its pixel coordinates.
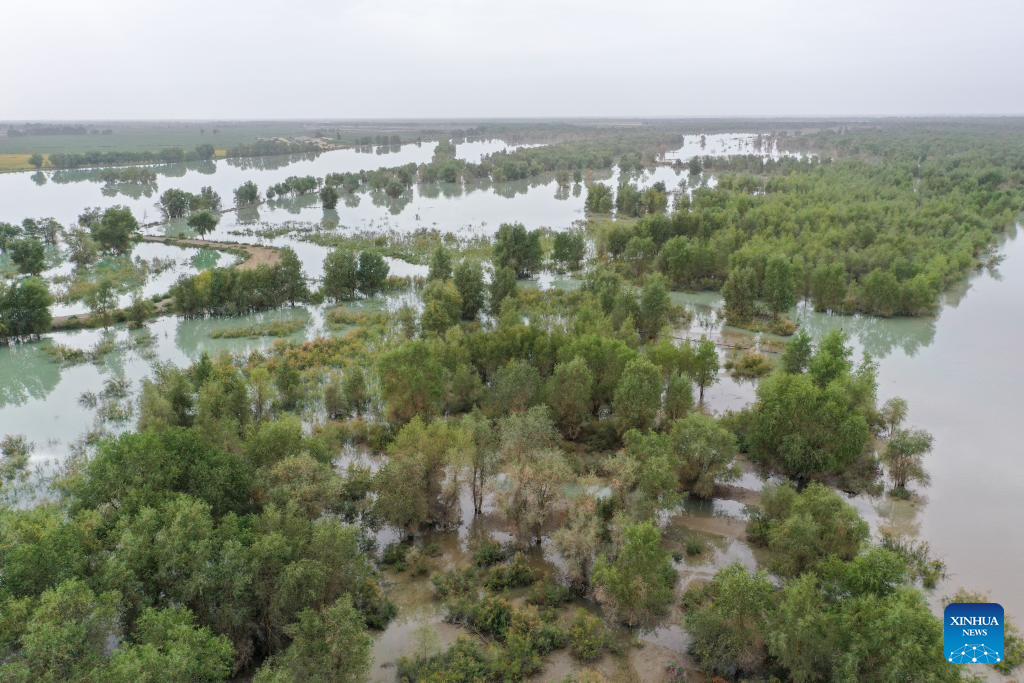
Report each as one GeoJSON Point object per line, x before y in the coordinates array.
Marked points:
{"type": "Point", "coordinates": [64, 194]}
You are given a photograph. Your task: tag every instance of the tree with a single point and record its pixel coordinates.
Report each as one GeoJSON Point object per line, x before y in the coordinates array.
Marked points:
{"type": "Point", "coordinates": [637, 583]}
{"type": "Point", "coordinates": [482, 455]}
{"type": "Point", "coordinates": [706, 451]}
{"type": "Point", "coordinates": [469, 280]}
{"type": "Point", "coordinates": [599, 198]}
{"type": "Point", "coordinates": [654, 307]}
{"type": "Point", "coordinates": [442, 306]}
{"type": "Point", "coordinates": [36, 160]}
{"type": "Point", "coordinates": [503, 286]}
{"type": "Point", "coordinates": [440, 264]}
{"type": "Point", "coordinates": [329, 646]}
{"type": "Point", "coordinates": [517, 248]}
{"type": "Point", "coordinates": [578, 541]}
{"type": "Point", "coordinates": [167, 645]}
{"type": "Point", "coordinates": [373, 272]}
{"type": "Point", "coordinates": [516, 387]}
{"type": "Point", "coordinates": [341, 275]}
{"type": "Point", "coordinates": [568, 250]}
{"type": "Point", "coordinates": [804, 529]}
{"type": "Point", "coordinates": [678, 396]}
{"type": "Point", "coordinates": [203, 221]}
{"type": "Point", "coordinates": [730, 625]}
{"type": "Point", "coordinates": [25, 309]}
{"type": "Point", "coordinates": [65, 635]}
{"type": "Point", "coordinates": [417, 487]}
{"type": "Point", "coordinates": [570, 395]}
{"type": "Point", "coordinates": [28, 254]}
{"type": "Point", "coordinates": [705, 366]}
{"type": "Point", "coordinates": [102, 300]}
{"type": "Point", "coordinates": [828, 287]}
{"type": "Point", "coordinates": [329, 197]}
{"type": "Point", "coordinates": [290, 282]}
{"type": "Point", "coordinates": [82, 249]}
{"type": "Point", "coordinates": [412, 382]}
{"type": "Point", "coordinates": [903, 457]}
{"type": "Point", "coordinates": [638, 395]}
{"type": "Point", "coordinates": [892, 414]}
{"type": "Point", "coordinates": [779, 286]}
{"type": "Point", "coordinates": [740, 294]}
{"type": "Point", "coordinates": [797, 355]}
{"type": "Point", "coordinates": [536, 478]}
{"type": "Point", "coordinates": [247, 194]}
{"type": "Point", "coordinates": [115, 229]}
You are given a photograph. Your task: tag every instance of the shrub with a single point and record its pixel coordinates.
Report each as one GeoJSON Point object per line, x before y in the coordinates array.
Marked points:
{"type": "Point", "coordinates": [514, 574]}
{"type": "Point", "coordinates": [587, 636]}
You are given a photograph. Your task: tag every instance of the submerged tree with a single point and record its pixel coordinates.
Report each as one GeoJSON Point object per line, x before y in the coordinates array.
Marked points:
{"type": "Point", "coordinates": [903, 457]}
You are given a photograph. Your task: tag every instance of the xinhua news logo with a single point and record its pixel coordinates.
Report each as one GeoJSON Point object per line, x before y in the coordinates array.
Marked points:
{"type": "Point", "coordinates": [973, 632]}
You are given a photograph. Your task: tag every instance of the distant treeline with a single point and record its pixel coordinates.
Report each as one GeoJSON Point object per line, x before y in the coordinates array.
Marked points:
{"type": "Point", "coordinates": [173, 155]}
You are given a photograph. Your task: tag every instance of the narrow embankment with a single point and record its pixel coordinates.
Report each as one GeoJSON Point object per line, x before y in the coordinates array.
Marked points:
{"type": "Point", "coordinates": [253, 256]}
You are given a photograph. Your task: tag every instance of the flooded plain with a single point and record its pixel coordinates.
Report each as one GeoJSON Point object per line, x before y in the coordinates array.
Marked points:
{"type": "Point", "coordinates": [956, 370]}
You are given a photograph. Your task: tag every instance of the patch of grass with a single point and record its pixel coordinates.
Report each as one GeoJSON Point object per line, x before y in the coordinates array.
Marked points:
{"type": "Point", "coordinates": [272, 328]}
{"type": "Point", "coordinates": [749, 365]}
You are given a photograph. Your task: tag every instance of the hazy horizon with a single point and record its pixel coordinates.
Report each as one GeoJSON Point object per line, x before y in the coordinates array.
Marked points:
{"type": "Point", "coordinates": [454, 59]}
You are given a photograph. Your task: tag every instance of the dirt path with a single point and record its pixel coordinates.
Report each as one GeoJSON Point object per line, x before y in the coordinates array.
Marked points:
{"type": "Point", "coordinates": [255, 255]}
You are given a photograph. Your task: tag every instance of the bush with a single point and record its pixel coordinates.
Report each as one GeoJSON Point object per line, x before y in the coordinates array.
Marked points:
{"type": "Point", "coordinates": [549, 594]}
{"type": "Point", "coordinates": [489, 552]}
{"type": "Point", "coordinates": [457, 582]}
{"type": "Point", "coordinates": [394, 556]}
{"type": "Point", "coordinates": [587, 636]}
{"type": "Point", "coordinates": [514, 574]}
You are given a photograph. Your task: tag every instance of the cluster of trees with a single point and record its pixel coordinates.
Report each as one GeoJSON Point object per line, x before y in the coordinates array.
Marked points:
{"type": "Point", "coordinates": [884, 237]}
{"type": "Point", "coordinates": [629, 200]}
{"type": "Point", "coordinates": [345, 274]}
{"type": "Point", "coordinates": [112, 230]}
{"type": "Point", "coordinates": [845, 609]}
{"type": "Point", "coordinates": [294, 186]}
{"type": "Point", "coordinates": [175, 203]}
{"type": "Point", "coordinates": [391, 181]}
{"type": "Point", "coordinates": [212, 541]}
{"type": "Point", "coordinates": [24, 309]}
{"type": "Point", "coordinates": [167, 155]}
{"type": "Point", "coordinates": [235, 291]}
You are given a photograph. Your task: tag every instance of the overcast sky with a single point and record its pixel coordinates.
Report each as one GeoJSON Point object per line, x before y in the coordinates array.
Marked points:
{"type": "Point", "coordinates": [67, 59]}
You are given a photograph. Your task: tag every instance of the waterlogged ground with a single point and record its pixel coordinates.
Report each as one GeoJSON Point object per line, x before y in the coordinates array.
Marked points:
{"type": "Point", "coordinates": [957, 371]}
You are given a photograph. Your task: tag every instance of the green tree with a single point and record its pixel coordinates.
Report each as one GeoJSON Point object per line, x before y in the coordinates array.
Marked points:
{"type": "Point", "coordinates": [730, 625]}
{"type": "Point", "coordinates": [599, 198]}
{"type": "Point", "coordinates": [740, 294]}
{"type": "Point", "coordinates": [167, 645]}
{"type": "Point", "coordinates": [706, 451]}
{"type": "Point", "coordinates": [82, 248]}
{"type": "Point", "coordinates": [828, 287]}
{"type": "Point", "coordinates": [516, 388]}
{"type": "Point", "coordinates": [412, 382]}
{"type": "Point", "coordinates": [903, 457]}
{"type": "Point", "coordinates": [442, 306]}
{"type": "Point", "coordinates": [469, 280]}
{"type": "Point", "coordinates": [373, 272]}
{"type": "Point", "coordinates": [678, 396]}
{"type": "Point", "coordinates": [440, 264]}
{"type": "Point", "coordinates": [329, 646]}
{"type": "Point", "coordinates": [203, 221]}
{"type": "Point", "coordinates": [637, 583]}
{"type": "Point", "coordinates": [654, 307]}
{"type": "Point", "coordinates": [247, 194]}
{"type": "Point", "coordinates": [568, 250]}
{"type": "Point", "coordinates": [779, 285]}
{"type": "Point", "coordinates": [341, 275]}
{"type": "Point", "coordinates": [517, 248]}
{"type": "Point", "coordinates": [638, 394]}
{"type": "Point", "coordinates": [36, 160]}
{"type": "Point", "coordinates": [536, 479]}
{"type": "Point", "coordinates": [291, 283]}
{"type": "Point", "coordinates": [25, 309]}
{"type": "Point", "coordinates": [102, 300]}
{"type": "Point", "coordinates": [28, 254]}
{"type": "Point", "coordinates": [503, 286]}
{"type": "Point", "coordinates": [705, 366]}
{"type": "Point", "coordinates": [570, 395]}
{"type": "Point", "coordinates": [797, 355]}
{"type": "Point", "coordinates": [329, 197]}
{"type": "Point", "coordinates": [115, 229]}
